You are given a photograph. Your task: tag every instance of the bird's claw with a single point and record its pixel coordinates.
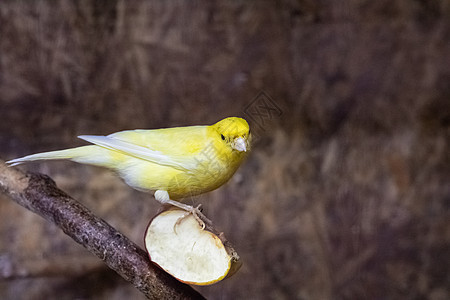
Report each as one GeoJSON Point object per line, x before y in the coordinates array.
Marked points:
{"type": "Point", "coordinates": [198, 215]}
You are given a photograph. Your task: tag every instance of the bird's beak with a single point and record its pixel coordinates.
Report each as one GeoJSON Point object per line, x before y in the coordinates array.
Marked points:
{"type": "Point", "coordinates": [239, 144]}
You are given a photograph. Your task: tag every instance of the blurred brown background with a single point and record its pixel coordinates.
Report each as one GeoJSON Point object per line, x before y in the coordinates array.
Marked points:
{"type": "Point", "coordinates": [346, 194]}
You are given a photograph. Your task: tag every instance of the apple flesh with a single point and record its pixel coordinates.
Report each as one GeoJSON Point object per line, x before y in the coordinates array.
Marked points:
{"type": "Point", "coordinates": [186, 251]}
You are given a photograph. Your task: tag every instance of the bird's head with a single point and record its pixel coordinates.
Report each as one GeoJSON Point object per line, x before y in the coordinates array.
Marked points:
{"type": "Point", "coordinates": [234, 132]}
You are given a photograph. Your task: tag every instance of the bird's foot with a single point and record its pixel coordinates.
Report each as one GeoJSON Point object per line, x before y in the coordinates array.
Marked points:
{"type": "Point", "coordinates": [163, 197]}
{"type": "Point", "coordinates": [197, 213]}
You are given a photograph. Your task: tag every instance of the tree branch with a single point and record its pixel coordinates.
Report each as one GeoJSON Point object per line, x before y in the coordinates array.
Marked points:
{"type": "Point", "coordinates": [40, 194]}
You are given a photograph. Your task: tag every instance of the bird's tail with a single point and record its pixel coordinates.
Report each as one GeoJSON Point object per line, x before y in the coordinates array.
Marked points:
{"type": "Point", "coordinates": [85, 154]}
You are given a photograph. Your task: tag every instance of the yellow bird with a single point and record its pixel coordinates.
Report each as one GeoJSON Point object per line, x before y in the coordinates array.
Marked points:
{"type": "Point", "coordinates": [174, 162]}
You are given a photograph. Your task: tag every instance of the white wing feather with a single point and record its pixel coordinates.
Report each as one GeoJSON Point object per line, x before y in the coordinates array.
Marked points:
{"type": "Point", "coordinates": [139, 151]}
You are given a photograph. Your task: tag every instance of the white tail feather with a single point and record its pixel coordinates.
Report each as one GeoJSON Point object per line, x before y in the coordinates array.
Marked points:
{"type": "Point", "coordinates": [60, 154]}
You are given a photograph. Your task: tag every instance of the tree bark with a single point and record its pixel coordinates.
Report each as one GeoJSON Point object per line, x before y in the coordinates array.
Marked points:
{"type": "Point", "coordinates": [40, 194]}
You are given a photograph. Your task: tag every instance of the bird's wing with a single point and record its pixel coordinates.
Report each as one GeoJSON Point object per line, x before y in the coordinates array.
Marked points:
{"type": "Point", "coordinates": [145, 153]}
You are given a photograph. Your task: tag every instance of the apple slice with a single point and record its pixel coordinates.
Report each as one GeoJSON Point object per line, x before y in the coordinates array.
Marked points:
{"type": "Point", "coordinates": [186, 251]}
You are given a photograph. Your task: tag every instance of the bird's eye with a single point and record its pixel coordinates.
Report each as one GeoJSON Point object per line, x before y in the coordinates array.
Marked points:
{"type": "Point", "coordinates": [223, 138]}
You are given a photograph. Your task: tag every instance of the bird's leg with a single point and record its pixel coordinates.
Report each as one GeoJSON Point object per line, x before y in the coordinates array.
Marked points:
{"type": "Point", "coordinates": [163, 198]}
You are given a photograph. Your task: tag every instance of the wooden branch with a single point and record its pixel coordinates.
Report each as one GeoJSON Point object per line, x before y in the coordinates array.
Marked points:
{"type": "Point", "coordinates": [40, 194]}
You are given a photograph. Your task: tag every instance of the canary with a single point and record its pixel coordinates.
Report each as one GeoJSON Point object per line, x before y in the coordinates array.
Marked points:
{"type": "Point", "coordinates": [174, 162]}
